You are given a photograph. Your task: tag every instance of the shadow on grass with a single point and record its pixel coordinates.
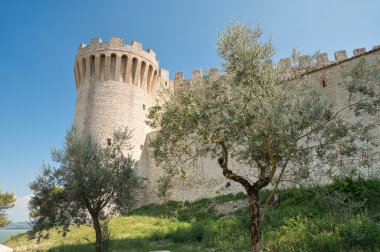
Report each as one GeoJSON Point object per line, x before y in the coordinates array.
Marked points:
{"type": "Point", "coordinates": [187, 211]}
{"type": "Point", "coordinates": [131, 245]}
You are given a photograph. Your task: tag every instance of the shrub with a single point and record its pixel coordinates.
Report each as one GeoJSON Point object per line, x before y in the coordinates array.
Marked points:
{"type": "Point", "coordinates": [197, 232]}
{"type": "Point", "coordinates": [180, 235]}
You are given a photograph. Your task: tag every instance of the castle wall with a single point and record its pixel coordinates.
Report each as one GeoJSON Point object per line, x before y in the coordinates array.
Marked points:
{"type": "Point", "coordinates": [207, 180]}
{"type": "Point", "coordinates": [117, 84]}
{"type": "Point", "coordinates": [111, 105]}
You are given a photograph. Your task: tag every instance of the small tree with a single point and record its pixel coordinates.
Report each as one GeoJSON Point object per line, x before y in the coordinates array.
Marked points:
{"type": "Point", "coordinates": [273, 122]}
{"type": "Point", "coordinates": [6, 201]}
{"type": "Point", "coordinates": [91, 182]}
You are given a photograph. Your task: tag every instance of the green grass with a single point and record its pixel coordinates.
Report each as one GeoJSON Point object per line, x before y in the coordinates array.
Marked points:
{"type": "Point", "coordinates": [343, 216]}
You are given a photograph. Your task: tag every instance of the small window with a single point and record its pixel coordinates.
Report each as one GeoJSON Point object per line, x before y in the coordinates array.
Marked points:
{"type": "Point", "coordinates": [323, 83]}
{"type": "Point", "coordinates": [109, 142]}
{"type": "Point", "coordinates": [322, 80]}
{"type": "Point", "coordinates": [143, 106]}
{"type": "Point", "coordinates": [166, 83]}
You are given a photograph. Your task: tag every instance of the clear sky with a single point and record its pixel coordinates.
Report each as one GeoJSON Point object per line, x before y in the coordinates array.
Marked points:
{"type": "Point", "coordinates": [39, 40]}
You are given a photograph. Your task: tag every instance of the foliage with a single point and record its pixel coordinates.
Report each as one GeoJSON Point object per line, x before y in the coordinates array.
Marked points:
{"type": "Point", "coordinates": [272, 122]}
{"type": "Point", "coordinates": [263, 121]}
{"type": "Point", "coordinates": [304, 224]}
{"type": "Point", "coordinates": [6, 201]}
{"type": "Point", "coordinates": [91, 182]}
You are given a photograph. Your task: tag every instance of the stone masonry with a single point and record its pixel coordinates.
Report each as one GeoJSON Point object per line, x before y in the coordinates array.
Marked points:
{"type": "Point", "coordinates": [117, 83]}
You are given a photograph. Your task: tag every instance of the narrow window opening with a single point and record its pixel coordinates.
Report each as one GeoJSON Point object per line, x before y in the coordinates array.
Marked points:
{"type": "Point", "coordinates": [323, 83]}
{"type": "Point", "coordinates": [149, 80]}
{"type": "Point", "coordinates": [92, 67]}
{"type": "Point", "coordinates": [113, 66]}
{"type": "Point", "coordinates": [142, 72]}
{"type": "Point", "coordinates": [154, 81]}
{"type": "Point", "coordinates": [143, 106]}
{"type": "Point", "coordinates": [84, 69]}
{"type": "Point", "coordinates": [109, 141]}
{"type": "Point", "coordinates": [123, 66]}
{"type": "Point", "coordinates": [102, 63]}
{"type": "Point", "coordinates": [78, 74]}
{"type": "Point", "coordinates": [166, 83]}
{"type": "Point", "coordinates": [134, 68]}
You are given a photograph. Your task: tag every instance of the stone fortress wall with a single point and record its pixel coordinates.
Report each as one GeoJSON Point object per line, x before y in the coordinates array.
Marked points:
{"type": "Point", "coordinates": [117, 83]}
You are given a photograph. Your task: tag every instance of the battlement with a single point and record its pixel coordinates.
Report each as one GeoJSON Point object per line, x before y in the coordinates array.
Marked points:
{"type": "Point", "coordinates": [180, 84]}
{"type": "Point", "coordinates": [116, 44]}
{"type": "Point", "coordinates": [322, 59]}
{"type": "Point", "coordinates": [305, 63]}
{"type": "Point", "coordinates": [113, 60]}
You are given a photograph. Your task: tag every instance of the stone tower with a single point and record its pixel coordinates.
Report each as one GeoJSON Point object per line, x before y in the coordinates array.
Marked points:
{"type": "Point", "coordinates": [116, 84]}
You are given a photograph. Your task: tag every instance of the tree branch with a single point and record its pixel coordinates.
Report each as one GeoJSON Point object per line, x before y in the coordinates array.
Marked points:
{"type": "Point", "coordinates": [275, 187]}
{"type": "Point", "coordinates": [273, 160]}
{"type": "Point", "coordinates": [223, 163]}
{"type": "Point", "coordinates": [331, 119]}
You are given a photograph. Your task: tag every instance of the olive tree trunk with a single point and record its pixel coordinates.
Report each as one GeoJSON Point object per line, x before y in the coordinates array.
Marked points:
{"type": "Point", "coordinates": [254, 221]}
{"type": "Point", "coordinates": [98, 232]}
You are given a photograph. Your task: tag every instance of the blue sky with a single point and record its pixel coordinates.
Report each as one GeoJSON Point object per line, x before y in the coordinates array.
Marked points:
{"type": "Point", "coordinates": [39, 40]}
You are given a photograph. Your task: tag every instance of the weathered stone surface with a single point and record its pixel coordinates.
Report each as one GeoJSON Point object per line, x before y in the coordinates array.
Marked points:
{"type": "Point", "coordinates": [117, 83]}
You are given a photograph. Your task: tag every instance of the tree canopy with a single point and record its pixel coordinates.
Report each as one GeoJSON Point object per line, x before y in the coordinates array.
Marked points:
{"type": "Point", "coordinates": [272, 121]}
{"type": "Point", "coordinates": [7, 201]}
{"type": "Point", "coordinates": [91, 182]}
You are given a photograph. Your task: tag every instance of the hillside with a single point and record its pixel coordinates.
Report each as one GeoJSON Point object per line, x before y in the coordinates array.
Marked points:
{"type": "Point", "coordinates": [343, 216]}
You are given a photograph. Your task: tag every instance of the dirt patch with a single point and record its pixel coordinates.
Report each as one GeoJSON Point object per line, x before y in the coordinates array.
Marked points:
{"type": "Point", "coordinates": [230, 206]}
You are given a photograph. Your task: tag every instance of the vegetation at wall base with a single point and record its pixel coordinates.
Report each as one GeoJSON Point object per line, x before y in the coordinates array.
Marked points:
{"type": "Point", "coordinates": [342, 216]}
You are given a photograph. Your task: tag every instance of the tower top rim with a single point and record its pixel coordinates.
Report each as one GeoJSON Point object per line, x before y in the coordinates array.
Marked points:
{"type": "Point", "coordinates": [116, 44]}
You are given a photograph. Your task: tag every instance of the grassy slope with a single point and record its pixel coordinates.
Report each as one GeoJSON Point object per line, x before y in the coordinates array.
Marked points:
{"type": "Point", "coordinates": [344, 216]}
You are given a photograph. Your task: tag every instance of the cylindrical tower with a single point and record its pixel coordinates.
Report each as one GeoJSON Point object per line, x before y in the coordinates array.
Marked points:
{"type": "Point", "coordinates": [115, 85]}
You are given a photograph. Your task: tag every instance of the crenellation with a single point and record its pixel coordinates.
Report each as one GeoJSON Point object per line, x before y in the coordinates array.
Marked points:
{"type": "Point", "coordinates": [95, 42]}
{"type": "Point", "coordinates": [214, 73]}
{"type": "Point", "coordinates": [304, 61]}
{"type": "Point", "coordinates": [195, 74]}
{"type": "Point", "coordinates": [116, 41]}
{"type": "Point", "coordinates": [340, 55]}
{"type": "Point", "coordinates": [136, 44]}
{"type": "Point", "coordinates": [165, 82]}
{"type": "Point", "coordinates": [98, 46]}
{"type": "Point", "coordinates": [164, 74]}
{"type": "Point", "coordinates": [358, 51]}
{"type": "Point", "coordinates": [151, 52]}
{"type": "Point", "coordinates": [178, 76]}
{"type": "Point", "coordinates": [322, 58]}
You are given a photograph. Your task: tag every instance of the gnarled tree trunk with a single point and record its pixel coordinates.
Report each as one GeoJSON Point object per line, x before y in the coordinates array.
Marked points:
{"type": "Point", "coordinates": [254, 220]}
{"type": "Point", "coordinates": [98, 233]}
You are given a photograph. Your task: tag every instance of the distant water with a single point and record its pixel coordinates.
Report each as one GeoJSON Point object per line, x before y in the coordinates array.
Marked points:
{"type": "Point", "coordinates": [13, 229]}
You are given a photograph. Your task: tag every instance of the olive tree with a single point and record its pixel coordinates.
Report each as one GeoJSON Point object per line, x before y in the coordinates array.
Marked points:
{"type": "Point", "coordinates": [91, 182]}
{"type": "Point", "coordinates": [272, 122]}
{"type": "Point", "coordinates": [6, 201]}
